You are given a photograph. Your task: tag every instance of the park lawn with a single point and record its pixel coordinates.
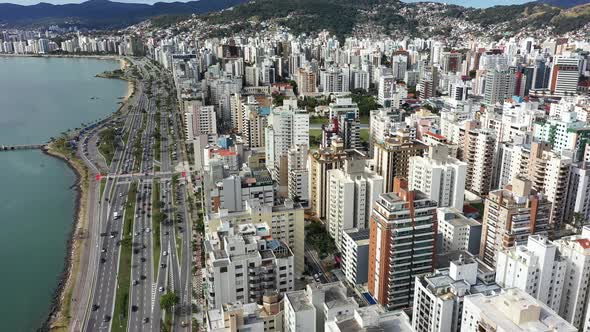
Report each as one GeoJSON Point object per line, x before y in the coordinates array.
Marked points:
{"type": "Point", "coordinates": [107, 144]}
{"type": "Point", "coordinates": [364, 135]}
{"type": "Point", "coordinates": [315, 138]}
{"type": "Point", "coordinates": [318, 120]}
{"type": "Point", "coordinates": [120, 314]}
{"type": "Point", "coordinates": [364, 119]}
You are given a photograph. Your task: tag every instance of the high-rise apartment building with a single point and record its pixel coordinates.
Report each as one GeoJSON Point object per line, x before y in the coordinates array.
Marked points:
{"type": "Point", "coordinates": [500, 84]}
{"type": "Point", "coordinates": [386, 90]}
{"type": "Point", "coordinates": [285, 220]}
{"type": "Point", "coordinates": [565, 75]}
{"type": "Point", "coordinates": [321, 161]}
{"type": "Point", "coordinates": [355, 255]}
{"type": "Point", "coordinates": [535, 268]}
{"type": "Point", "coordinates": [457, 232]}
{"type": "Point", "coordinates": [287, 127]}
{"type": "Point", "coordinates": [391, 158]}
{"type": "Point", "coordinates": [352, 191]}
{"type": "Point", "coordinates": [311, 308]}
{"type": "Point", "coordinates": [510, 216]}
{"type": "Point", "coordinates": [477, 151]}
{"type": "Point", "coordinates": [549, 173]}
{"type": "Point", "coordinates": [250, 316]}
{"type": "Point", "coordinates": [577, 198]}
{"type": "Point", "coordinates": [402, 245]}
{"type": "Point", "coordinates": [439, 176]}
{"type": "Point", "coordinates": [510, 311]}
{"type": "Point", "coordinates": [382, 121]}
{"type": "Point", "coordinates": [306, 80]}
{"type": "Point", "coordinates": [575, 300]}
{"type": "Point", "coordinates": [298, 177]}
{"type": "Point", "coordinates": [200, 120]}
{"type": "Point", "coordinates": [242, 262]}
{"type": "Point", "coordinates": [438, 297]}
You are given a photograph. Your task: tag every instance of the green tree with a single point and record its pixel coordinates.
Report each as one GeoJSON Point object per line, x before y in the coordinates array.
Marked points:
{"type": "Point", "coordinates": [168, 300]}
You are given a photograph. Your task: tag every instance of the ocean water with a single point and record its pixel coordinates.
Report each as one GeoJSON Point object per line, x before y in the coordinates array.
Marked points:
{"type": "Point", "coordinates": [39, 99]}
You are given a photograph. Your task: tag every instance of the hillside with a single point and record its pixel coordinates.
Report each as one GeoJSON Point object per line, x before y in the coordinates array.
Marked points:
{"type": "Point", "coordinates": [390, 17]}
{"type": "Point", "coordinates": [564, 3]}
{"type": "Point", "coordinates": [103, 13]}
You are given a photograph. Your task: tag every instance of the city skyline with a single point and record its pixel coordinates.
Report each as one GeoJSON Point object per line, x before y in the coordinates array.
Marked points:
{"type": "Point", "coordinates": [279, 166]}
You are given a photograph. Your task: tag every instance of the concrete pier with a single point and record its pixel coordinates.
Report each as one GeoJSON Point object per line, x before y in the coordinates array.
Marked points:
{"type": "Point", "coordinates": [21, 147]}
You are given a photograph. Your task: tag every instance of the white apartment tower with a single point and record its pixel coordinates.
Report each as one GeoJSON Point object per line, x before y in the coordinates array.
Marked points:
{"type": "Point", "coordinates": [499, 85]}
{"type": "Point", "coordinates": [575, 301]}
{"type": "Point", "coordinates": [243, 261]}
{"type": "Point", "coordinates": [439, 176]}
{"type": "Point", "coordinates": [438, 297]}
{"type": "Point", "coordinates": [510, 311]}
{"type": "Point", "coordinates": [382, 121]}
{"type": "Point", "coordinates": [200, 120]}
{"type": "Point", "coordinates": [352, 191]}
{"type": "Point", "coordinates": [536, 268]}
{"type": "Point", "coordinates": [298, 178]}
{"type": "Point", "coordinates": [287, 127]}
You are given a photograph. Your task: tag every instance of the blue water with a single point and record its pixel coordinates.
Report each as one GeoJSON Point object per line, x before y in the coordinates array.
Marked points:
{"type": "Point", "coordinates": [40, 98]}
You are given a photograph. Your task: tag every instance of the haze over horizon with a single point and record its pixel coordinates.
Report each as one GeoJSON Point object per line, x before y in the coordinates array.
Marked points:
{"type": "Point", "coordinates": [466, 3]}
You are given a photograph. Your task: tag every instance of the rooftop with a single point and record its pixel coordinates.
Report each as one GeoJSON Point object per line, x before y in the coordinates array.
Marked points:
{"type": "Point", "coordinates": [299, 301]}
{"type": "Point", "coordinates": [374, 318]}
{"type": "Point", "coordinates": [515, 310]}
{"type": "Point", "coordinates": [358, 234]}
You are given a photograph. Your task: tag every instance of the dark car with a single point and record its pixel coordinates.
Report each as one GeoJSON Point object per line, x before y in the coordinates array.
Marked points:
{"type": "Point", "coordinates": [162, 265]}
{"type": "Point", "coordinates": [106, 318]}
{"type": "Point", "coordinates": [134, 308]}
{"type": "Point", "coordinates": [143, 259]}
{"type": "Point", "coordinates": [146, 320]}
{"type": "Point", "coordinates": [136, 251]}
{"type": "Point", "coordinates": [102, 260]}
{"type": "Point", "coordinates": [95, 307]}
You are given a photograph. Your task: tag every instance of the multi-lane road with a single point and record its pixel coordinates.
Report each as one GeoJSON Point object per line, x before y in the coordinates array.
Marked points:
{"type": "Point", "coordinates": [133, 167]}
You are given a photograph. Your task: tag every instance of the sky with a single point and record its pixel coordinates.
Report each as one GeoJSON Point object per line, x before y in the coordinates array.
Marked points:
{"type": "Point", "coordinates": [472, 3]}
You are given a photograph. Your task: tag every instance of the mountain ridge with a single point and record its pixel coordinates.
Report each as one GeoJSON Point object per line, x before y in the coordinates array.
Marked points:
{"type": "Point", "coordinates": [104, 13]}
{"type": "Point", "coordinates": [392, 17]}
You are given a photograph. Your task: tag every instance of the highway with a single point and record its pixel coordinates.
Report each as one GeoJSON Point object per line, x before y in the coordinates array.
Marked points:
{"type": "Point", "coordinates": [135, 165]}
{"type": "Point", "coordinates": [142, 278]}
{"type": "Point", "coordinates": [105, 282]}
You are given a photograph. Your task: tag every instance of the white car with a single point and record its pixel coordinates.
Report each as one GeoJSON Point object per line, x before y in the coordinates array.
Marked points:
{"type": "Point", "coordinates": [165, 253]}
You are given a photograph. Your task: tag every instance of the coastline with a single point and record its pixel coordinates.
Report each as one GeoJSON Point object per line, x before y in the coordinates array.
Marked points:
{"type": "Point", "coordinates": [63, 290]}
{"type": "Point", "coordinates": [92, 56]}
{"type": "Point", "coordinates": [60, 310]}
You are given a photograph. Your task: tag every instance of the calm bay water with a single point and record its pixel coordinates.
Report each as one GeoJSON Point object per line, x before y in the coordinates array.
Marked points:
{"type": "Point", "coordinates": [39, 99]}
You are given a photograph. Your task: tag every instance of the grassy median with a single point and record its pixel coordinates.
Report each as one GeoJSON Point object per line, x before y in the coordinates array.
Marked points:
{"type": "Point", "coordinates": [103, 183]}
{"type": "Point", "coordinates": [107, 144]}
{"type": "Point", "coordinates": [157, 218]}
{"type": "Point", "coordinates": [120, 315]}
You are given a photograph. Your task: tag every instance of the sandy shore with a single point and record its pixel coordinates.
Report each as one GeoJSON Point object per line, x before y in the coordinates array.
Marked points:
{"type": "Point", "coordinates": [124, 63]}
